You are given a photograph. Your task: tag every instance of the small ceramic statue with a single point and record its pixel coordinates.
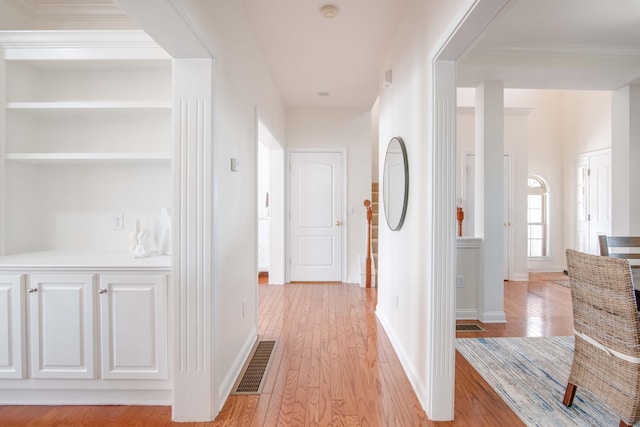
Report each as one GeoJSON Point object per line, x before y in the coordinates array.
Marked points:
{"type": "Point", "coordinates": [142, 245]}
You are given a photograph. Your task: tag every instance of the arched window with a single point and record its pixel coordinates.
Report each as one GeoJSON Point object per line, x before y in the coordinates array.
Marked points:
{"type": "Point", "coordinates": [537, 217]}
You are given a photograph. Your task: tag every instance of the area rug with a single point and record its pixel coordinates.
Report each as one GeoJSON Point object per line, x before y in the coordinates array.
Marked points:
{"type": "Point", "coordinates": [530, 375]}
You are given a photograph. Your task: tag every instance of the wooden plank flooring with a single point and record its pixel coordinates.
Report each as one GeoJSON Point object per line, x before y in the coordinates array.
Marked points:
{"type": "Point", "coordinates": [334, 365]}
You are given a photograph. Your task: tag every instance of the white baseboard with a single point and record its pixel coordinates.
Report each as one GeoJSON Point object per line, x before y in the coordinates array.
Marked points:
{"type": "Point", "coordinates": [467, 314]}
{"type": "Point", "coordinates": [355, 279]}
{"type": "Point", "coordinates": [418, 387]}
{"type": "Point", "coordinates": [48, 396]}
{"type": "Point", "coordinates": [519, 277]}
{"type": "Point", "coordinates": [493, 317]}
{"type": "Point", "coordinates": [552, 269]}
{"type": "Point", "coordinates": [230, 379]}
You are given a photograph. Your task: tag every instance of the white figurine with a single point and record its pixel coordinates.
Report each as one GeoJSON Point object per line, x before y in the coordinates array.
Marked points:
{"type": "Point", "coordinates": [142, 245]}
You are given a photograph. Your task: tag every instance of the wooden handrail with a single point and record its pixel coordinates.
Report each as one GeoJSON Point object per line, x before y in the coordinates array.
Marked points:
{"type": "Point", "coordinates": [367, 205]}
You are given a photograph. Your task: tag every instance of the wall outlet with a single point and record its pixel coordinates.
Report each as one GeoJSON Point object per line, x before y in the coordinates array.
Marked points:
{"type": "Point", "coordinates": [459, 281]}
{"type": "Point", "coordinates": [117, 221]}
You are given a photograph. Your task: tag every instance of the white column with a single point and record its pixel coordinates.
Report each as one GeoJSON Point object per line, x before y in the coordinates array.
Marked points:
{"type": "Point", "coordinates": [441, 302]}
{"type": "Point", "coordinates": [489, 190]}
{"type": "Point", "coordinates": [193, 394]}
{"type": "Point", "coordinates": [625, 159]}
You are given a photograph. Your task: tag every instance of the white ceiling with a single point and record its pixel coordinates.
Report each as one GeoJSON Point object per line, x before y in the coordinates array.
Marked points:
{"type": "Point", "coordinates": [559, 44]}
{"type": "Point", "coordinates": [538, 44]}
{"type": "Point", "coordinates": [308, 53]}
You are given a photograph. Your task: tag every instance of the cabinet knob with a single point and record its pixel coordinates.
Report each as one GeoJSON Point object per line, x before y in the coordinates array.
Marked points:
{"type": "Point", "coordinates": [102, 291]}
{"type": "Point", "coordinates": [32, 290]}
{"type": "Point", "coordinates": [338, 223]}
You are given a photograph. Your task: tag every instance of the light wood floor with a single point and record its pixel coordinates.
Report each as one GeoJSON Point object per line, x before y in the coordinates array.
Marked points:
{"type": "Point", "coordinates": [334, 365]}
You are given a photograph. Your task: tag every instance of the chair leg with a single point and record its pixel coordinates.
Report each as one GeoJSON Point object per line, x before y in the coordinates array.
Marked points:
{"type": "Point", "coordinates": [569, 393]}
{"type": "Point", "coordinates": [623, 424]}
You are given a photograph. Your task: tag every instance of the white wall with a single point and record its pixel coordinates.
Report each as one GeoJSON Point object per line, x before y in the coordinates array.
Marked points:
{"type": "Point", "coordinates": [11, 18]}
{"type": "Point", "coordinates": [586, 127]}
{"type": "Point", "coordinates": [341, 128]}
{"type": "Point", "coordinates": [242, 85]}
{"type": "Point", "coordinates": [405, 260]}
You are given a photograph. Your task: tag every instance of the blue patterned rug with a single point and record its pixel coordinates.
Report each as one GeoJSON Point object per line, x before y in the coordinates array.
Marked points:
{"type": "Point", "coordinates": [530, 375]}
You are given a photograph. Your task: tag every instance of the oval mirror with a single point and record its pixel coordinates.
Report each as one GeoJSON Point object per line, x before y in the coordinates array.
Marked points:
{"type": "Point", "coordinates": [395, 182]}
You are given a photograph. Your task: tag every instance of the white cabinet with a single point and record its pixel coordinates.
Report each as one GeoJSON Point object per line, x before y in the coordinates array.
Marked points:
{"type": "Point", "coordinates": [133, 326]}
{"type": "Point", "coordinates": [61, 326]}
{"type": "Point", "coordinates": [86, 143]}
{"type": "Point", "coordinates": [11, 326]}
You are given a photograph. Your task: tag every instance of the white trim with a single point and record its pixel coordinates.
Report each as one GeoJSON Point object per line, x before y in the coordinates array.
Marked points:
{"type": "Point", "coordinates": [467, 314]}
{"type": "Point", "coordinates": [229, 380]}
{"type": "Point", "coordinates": [83, 396]}
{"type": "Point", "coordinates": [418, 386]}
{"type": "Point", "coordinates": [513, 111]}
{"type": "Point", "coordinates": [345, 232]}
{"type": "Point", "coordinates": [85, 45]}
{"type": "Point", "coordinates": [441, 305]}
{"type": "Point", "coordinates": [468, 242]}
{"type": "Point", "coordinates": [493, 317]}
{"type": "Point", "coordinates": [519, 277]}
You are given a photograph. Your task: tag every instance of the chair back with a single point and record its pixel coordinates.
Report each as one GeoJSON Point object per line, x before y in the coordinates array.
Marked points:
{"type": "Point", "coordinates": [627, 247]}
{"type": "Point", "coordinates": [604, 306]}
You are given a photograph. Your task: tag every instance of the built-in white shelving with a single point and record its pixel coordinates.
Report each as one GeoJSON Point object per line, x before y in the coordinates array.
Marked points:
{"type": "Point", "coordinates": [80, 158]}
{"type": "Point", "coordinates": [86, 135]}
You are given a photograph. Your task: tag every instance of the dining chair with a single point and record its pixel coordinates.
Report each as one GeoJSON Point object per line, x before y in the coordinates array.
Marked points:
{"type": "Point", "coordinates": [625, 247]}
{"type": "Point", "coordinates": [606, 359]}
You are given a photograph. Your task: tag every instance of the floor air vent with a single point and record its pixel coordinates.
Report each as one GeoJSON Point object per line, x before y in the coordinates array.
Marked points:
{"type": "Point", "coordinates": [250, 381]}
{"type": "Point", "coordinates": [471, 327]}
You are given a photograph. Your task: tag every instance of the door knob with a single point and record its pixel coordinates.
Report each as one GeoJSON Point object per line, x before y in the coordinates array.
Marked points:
{"type": "Point", "coordinates": [338, 223]}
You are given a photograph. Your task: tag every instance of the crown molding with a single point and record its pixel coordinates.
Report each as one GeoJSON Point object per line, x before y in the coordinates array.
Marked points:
{"type": "Point", "coordinates": [70, 10]}
{"type": "Point", "coordinates": [575, 51]}
{"type": "Point", "coordinates": [76, 38]}
{"type": "Point", "coordinates": [52, 45]}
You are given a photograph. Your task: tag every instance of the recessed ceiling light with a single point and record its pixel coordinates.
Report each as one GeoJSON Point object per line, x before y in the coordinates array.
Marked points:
{"type": "Point", "coordinates": [329, 11]}
{"type": "Point", "coordinates": [323, 93]}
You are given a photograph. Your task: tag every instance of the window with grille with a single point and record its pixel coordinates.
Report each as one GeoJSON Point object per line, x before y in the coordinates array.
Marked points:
{"type": "Point", "coordinates": [537, 217]}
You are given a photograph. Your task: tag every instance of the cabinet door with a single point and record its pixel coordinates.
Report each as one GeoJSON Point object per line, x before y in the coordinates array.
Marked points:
{"type": "Point", "coordinates": [61, 326]}
{"type": "Point", "coordinates": [11, 327]}
{"type": "Point", "coordinates": [133, 322]}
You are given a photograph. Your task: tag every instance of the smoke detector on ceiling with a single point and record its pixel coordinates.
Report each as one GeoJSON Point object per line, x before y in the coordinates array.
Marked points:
{"type": "Point", "coordinates": [329, 11]}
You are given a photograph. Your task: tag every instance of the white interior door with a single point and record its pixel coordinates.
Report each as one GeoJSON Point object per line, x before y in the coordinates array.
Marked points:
{"type": "Point", "coordinates": [316, 229]}
{"type": "Point", "coordinates": [469, 204]}
{"type": "Point", "coordinates": [593, 200]}
{"type": "Point", "coordinates": [506, 209]}
{"type": "Point", "coordinates": [600, 197]}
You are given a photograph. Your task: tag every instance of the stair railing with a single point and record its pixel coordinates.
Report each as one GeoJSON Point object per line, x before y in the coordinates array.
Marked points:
{"type": "Point", "coordinates": [367, 205]}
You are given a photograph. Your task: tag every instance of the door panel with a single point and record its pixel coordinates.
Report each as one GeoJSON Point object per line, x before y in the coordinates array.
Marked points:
{"type": "Point", "coordinates": [600, 200]}
{"type": "Point", "coordinates": [61, 314]}
{"type": "Point", "coordinates": [11, 327]}
{"type": "Point", "coordinates": [316, 216]}
{"type": "Point", "coordinates": [468, 225]}
{"type": "Point", "coordinates": [133, 325]}
{"type": "Point", "coordinates": [592, 200]}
